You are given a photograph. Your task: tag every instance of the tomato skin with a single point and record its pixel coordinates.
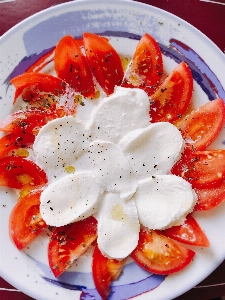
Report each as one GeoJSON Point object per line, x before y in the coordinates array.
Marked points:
{"type": "Point", "coordinates": [146, 68]}
{"type": "Point", "coordinates": [203, 125]}
{"type": "Point", "coordinates": [71, 65]}
{"type": "Point", "coordinates": [104, 61]}
{"type": "Point", "coordinates": [203, 169]}
{"type": "Point", "coordinates": [10, 142]}
{"type": "Point", "coordinates": [69, 242]}
{"type": "Point", "coordinates": [173, 97]}
{"type": "Point", "coordinates": [188, 233]}
{"type": "Point", "coordinates": [209, 198]}
{"type": "Point", "coordinates": [39, 82]}
{"type": "Point", "coordinates": [25, 221]}
{"type": "Point", "coordinates": [104, 271]}
{"type": "Point", "coordinates": [159, 254]}
{"type": "Point", "coordinates": [17, 172]}
{"type": "Point", "coordinates": [26, 121]}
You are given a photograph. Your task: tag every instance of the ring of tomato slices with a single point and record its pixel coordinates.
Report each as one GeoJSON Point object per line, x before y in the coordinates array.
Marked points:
{"type": "Point", "coordinates": [157, 252]}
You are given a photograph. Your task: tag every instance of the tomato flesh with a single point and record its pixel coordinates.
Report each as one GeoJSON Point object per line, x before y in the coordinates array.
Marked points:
{"type": "Point", "coordinates": [203, 169]}
{"type": "Point", "coordinates": [146, 68]}
{"type": "Point", "coordinates": [26, 121]}
{"type": "Point", "coordinates": [104, 61]}
{"type": "Point", "coordinates": [71, 65]}
{"type": "Point", "coordinates": [209, 198]}
{"type": "Point", "coordinates": [11, 142]}
{"type": "Point", "coordinates": [173, 97]}
{"type": "Point", "coordinates": [17, 172]}
{"type": "Point", "coordinates": [104, 271]}
{"type": "Point", "coordinates": [202, 126]}
{"type": "Point", "coordinates": [36, 83]}
{"type": "Point", "coordinates": [159, 254]}
{"type": "Point", "coordinates": [25, 221]}
{"type": "Point", "coordinates": [69, 242]}
{"type": "Point", "coordinates": [188, 233]}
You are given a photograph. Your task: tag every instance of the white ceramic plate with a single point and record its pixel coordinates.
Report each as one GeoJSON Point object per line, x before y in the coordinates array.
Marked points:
{"type": "Point", "coordinates": [125, 22]}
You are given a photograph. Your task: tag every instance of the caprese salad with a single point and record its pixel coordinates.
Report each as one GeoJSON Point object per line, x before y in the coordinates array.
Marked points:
{"type": "Point", "coordinates": [111, 157]}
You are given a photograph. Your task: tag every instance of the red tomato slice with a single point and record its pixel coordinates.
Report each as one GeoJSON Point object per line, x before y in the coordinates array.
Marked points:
{"type": "Point", "coordinates": [69, 242]}
{"type": "Point", "coordinates": [209, 198]}
{"type": "Point", "coordinates": [26, 121]}
{"type": "Point", "coordinates": [188, 233]}
{"type": "Point", "coordinates": [17, 172]}
{"type": "Point", "coordinates": [39, 83]}
{"type": "Point", "coordinates": [71, 65]}
{"type": "Point", "coordinates": [173, 97]}
{"type": "Point", "coordinates": [104, 271]}
{"type": "Point", "coordinates": [203, 125]}
{"type": "Point", "coordinates": [80, 41]}
{"type": "Point", "coordinates": [203, 169]}
{"type": "Point", "coordinates": [146, 68]}
{"type": "Point", "coordinates": [25, 221]}
{"type": "Point", "coordinates": [104, 61]}
{"type": "Point", "coordinates": [159, 254]}
{"type": "Point", "coordinates": [10, 142]}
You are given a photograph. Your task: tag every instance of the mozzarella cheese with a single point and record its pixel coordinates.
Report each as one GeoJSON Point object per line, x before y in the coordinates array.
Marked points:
{"type": "Point", "coordinates": [118, 226]}
{"type": "Point", "coordinates": [120, 171]}
{"type": "Point", "coordinates": [152, 150]}
{"type": "Point", "coordinates": [123, 111]}
{"type": "Point", "coordinates": [59, 144]}
{"type": "Point", "coordinates": [72, 198]}
{"type": "Point", "coordinates": [111, 169]}
{"type": "Point", "coordinates": [163, 201]}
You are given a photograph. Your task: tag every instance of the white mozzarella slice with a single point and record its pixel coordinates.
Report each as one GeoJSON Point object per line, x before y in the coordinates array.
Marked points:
{"type": "Point", "coordinates": [152, 150]}
{"type": "Point", "coordinates": [111, 169]}
{"type": "Point", "coordinates": [59, 144]}
{"type": "Point", "coordinates": [123, 111]}
{"type": "Point", "coordinates": [118, 226]}
{"type": "Point", "coordinates": [72, 198]}
{"type": "Point", "coordinates": [163, 201]}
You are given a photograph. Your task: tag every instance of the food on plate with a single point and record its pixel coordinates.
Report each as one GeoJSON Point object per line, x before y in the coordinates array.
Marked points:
{"type": "Point", "coordinates": [102, 154]}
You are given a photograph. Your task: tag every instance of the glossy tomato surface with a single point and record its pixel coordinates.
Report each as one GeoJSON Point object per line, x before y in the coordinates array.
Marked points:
{"type": "Point", "coordinates": [159, 254]}
{"type": "Point", "coordinates": [25, 221]}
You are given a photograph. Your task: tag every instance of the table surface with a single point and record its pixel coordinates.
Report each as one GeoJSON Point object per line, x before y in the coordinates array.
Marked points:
{"type": "Point", "coordinates": [206, 15]}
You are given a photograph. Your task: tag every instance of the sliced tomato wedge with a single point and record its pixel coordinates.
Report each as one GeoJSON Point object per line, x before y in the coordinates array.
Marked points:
{"type": "Point", "coordinates": [104, 271]}
{"type": "Point", "coordinates": [173, 97]}
{"type": "Point", "coordinates": [71, 65]}
{"type": "Point", "coordinates": [209, 198]}
{"type": "Point", "coordinates": [17, 172]}
{"type": "Point", "coordinates": [202, 126]}
{"type": "Point", "coordinates": [104, 61]}
{"type": "Point", "coordinates": [203, 169]}
{"type": "Point", "coordinates": [188, 233]}
{"type": "Point", "coordinates": [25, 221]}
{"type": "Point", "coordinates": [159, 254]}
{"type": "Point", "coordinates": [26, 121]}
{"type": "Point", "coordinates": [10, 142]}
{"type": "Point", "coordinates": [146, 68]}
{"type": "Point", "coordinates": [36, 83]}
{"type": "Point", "coordinates": [69, 242]}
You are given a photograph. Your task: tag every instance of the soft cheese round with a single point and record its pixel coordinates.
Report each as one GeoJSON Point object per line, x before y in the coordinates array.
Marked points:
{"type": "Point", "coordinates": [163, 201]}
{"type": "Point", "coordinates": [152, 150]}
{"type": "Point", "coordinates": [123, 111]}
{"type": "Point", "coordinates": [118, 226]}
{"type": "Point", "coordinates": [111, 169]}
{"type": "Point", "coordinates": [72, 198]}
{"type": "Point", "coordinates": [59, 144]}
